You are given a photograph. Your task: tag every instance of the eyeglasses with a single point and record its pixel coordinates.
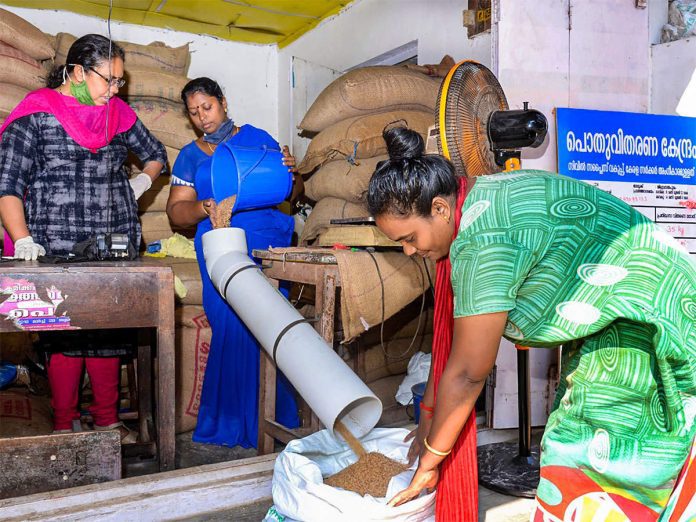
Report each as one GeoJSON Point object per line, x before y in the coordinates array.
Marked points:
{"type": "Point", "coordinates": [113, 82]}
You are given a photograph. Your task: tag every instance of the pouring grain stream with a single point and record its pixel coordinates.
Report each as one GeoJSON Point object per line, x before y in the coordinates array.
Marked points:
{"type": "Point", "coordinates": [223, 212]}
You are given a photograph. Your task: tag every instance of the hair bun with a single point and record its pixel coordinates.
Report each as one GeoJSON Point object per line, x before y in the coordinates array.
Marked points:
{"type": "Point", "coordinates": [403, 143]}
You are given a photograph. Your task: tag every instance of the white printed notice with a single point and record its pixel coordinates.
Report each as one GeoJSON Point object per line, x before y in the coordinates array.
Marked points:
{"type": "Point", "coordinates": [647, 160]}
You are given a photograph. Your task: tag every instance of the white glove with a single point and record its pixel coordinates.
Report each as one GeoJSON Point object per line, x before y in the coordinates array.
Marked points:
{"type": "Point", "coordinates": [140, 184]}
{"type": "Point", "coordinates": [26, 249]}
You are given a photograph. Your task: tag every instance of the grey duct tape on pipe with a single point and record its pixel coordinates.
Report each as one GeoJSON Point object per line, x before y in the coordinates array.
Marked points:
{"type": "Point", "coordinates": [229, 279]}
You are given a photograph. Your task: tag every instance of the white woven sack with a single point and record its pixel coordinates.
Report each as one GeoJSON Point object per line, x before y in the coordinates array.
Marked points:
{"type": "Point", "coordinates": [299, 491]}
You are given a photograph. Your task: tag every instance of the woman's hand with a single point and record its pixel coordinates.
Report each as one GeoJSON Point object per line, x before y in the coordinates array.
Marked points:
{"type": "Point", "coordinates": [210, 208]}
{"type": "Point", "coordinates": [418, 435]}
{"type": "Point", "coordinates": [423, 479]}
{"type": "Point", "coordinates": [289, 159]}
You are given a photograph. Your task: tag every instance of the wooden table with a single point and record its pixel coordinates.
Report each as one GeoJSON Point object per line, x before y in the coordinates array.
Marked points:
{"type": "Point", "coordinates": [311, 268]}
{"type": "Point", "coordinates": [90, 296]}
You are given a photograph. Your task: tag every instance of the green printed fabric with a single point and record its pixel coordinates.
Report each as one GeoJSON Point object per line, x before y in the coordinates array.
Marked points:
{"type": "Point", "coordinates": [568, 261]}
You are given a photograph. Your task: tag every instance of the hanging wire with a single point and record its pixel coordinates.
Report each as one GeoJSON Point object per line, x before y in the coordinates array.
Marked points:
{"type": "Point", "coordinates": [420, 314]}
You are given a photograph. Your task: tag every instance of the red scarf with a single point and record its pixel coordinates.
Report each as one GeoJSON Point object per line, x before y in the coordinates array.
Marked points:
{"type": "Point", "coordinates": [457, 490]}
{"type": "Point", "coordinates": [86, 124]}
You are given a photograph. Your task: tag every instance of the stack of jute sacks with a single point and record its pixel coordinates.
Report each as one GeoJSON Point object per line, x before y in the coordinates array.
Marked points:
{"type": "Point", "coordinates": [26, 56]}
{"type": "Point", "coordinates": [349, 117]}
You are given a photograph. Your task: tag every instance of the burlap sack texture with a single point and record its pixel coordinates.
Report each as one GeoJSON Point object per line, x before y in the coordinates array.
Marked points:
{"type": "Point", "coordinates": [10, 96]}
{"type": "Point", "coordinates": [401, 278]}
{"type": "Point", "coordinates": [20, 69]}
{"type": "Point", "coordinates": [193, 337]}
{"type": "Point", "coordinates": [324, 211]}
{"type": "Point", "coordinates": [155, 56]}
{"type": "Point", "coordinates": [368, 90]}
{"type": "Point", "coordinates": [400, 343]}
{"type": "Point", "coordinates": [156, 225]}
{"type": "Point", "coordinates": [23, 414]}
{"type": "Point", "coordinates": [20, 34]}
{"type": "Point", "coordinates": [342, 179]}
{"type": "Point", "coordinates": [360, 137]}
{"type": "Point", "coordinates": [167, 121]}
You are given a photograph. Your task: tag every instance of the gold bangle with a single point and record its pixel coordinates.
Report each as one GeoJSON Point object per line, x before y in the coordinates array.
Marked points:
{"type": "Point", "coordinates": [433, 450]}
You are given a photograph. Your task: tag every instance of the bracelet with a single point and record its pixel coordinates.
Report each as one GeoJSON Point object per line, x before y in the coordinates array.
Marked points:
{"type": "Point", "coordinates": [427, 408]}
{"type": "Point", "coordinates": [433, 450]}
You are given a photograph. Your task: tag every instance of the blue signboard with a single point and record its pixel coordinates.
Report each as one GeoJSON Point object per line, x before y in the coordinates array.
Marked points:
{"type": "Point", "coordinates": [646, 160]}
{"type": "Point", "coordinates": [626, 146]}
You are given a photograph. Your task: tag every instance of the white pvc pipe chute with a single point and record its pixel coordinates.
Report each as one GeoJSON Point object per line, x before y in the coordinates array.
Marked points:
{"type": "Point", "coordinates": [319, 375]}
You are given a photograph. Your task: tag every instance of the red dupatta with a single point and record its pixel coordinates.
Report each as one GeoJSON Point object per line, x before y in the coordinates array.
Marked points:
{"type": "Point", "coordinates": [457, 490]}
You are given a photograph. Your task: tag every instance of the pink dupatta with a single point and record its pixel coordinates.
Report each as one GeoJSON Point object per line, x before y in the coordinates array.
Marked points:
{"type": "Point", "coordinates": [86, 124]}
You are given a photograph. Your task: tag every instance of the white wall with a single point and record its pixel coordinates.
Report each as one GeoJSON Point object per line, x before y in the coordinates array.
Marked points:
{"type": "Point", "coordinates": [673, 66]}
{"type": "Point", "coordinates": [368, 28]}
{"type": "Point", "coordinates": [573, 53]}
{"type": "Point", "coordinates": [247, 73]}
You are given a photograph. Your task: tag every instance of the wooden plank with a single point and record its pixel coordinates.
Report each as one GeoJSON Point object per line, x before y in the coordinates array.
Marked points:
{"type": "Point", "coordinates": [164, 496]}
{"type": "Point", "coordinates": [297, 255]}
{"type": "Point", "coordinates": [267, 399]}
{"type": "Point", "coordinates": [165, 370]}
{"type": "Point", "coordinates": [50, 462]}
{"type": "Point", "coordinates": [355, 236]}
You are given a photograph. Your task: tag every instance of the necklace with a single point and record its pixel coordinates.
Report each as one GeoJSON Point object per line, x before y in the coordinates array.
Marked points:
{"type": "Point", "coordinates": [212, 150]}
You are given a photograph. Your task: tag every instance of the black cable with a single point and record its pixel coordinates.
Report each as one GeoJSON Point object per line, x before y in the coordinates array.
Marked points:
{"type": "Point", "coordinates": [370, 251]}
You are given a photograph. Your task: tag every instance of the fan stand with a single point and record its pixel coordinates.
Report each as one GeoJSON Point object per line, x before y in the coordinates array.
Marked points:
{"type": "Point", "coordinates": [512, 468]}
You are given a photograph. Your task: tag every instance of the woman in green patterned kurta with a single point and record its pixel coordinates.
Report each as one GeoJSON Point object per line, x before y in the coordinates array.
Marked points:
{"type": "Point", "coordinates": [543, 259]}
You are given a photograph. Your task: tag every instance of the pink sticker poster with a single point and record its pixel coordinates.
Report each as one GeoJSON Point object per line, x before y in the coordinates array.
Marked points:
{"type": "Point", "coordinates": [28, 310]}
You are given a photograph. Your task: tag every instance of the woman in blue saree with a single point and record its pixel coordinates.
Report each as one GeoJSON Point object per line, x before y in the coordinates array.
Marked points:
{"type": "Point", "coordinates": [228, 412]}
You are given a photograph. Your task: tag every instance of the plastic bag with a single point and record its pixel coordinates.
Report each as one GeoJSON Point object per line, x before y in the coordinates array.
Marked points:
{"type": "Point", "coordinates": [682, 20]}
{"type": "Point", "coordinates": [417, 371]}
{"type": "Point", "coordinates": [299, 492]}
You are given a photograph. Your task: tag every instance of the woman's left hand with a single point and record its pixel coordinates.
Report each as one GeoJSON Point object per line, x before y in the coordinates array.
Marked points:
{"type": "Point", "coordinates": [423, 479]}
{"type": "Point", "coordinates": [289, 159]}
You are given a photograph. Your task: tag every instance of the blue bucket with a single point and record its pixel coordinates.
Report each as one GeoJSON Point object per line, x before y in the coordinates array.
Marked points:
{"type": "Point", "coordinates": [255, 174]}
{"type": "Point", "coordinates": [418, 390]}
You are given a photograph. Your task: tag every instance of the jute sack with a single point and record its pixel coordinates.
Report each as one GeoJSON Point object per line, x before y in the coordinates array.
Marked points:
{"type": "Point", "coordinates": [10, 96]}
{"type": "Point", "coordinates": [360, 137]}
{"type": "Point", "coordinates": [190, 275]}
{"type": "Point", "coordinates": [155, 198]}
{"type": "Point", "coordinates": [341, 179]}
{"type": "Point", "coordinates": [172, 154]}
{"type": "Point", "coordinates": [151, 83]}
{"type": "Point", "coordinates": [167, 122]}
{"type": "Point", "coordinates": [20, 34]}
{"type": "Point", "coordinates": [192, 336]}
{"type": "Point", "coordinates": [156, 55]}
{"type": "Point", "coordinates": [400, 278]}
{"type": "Point", "coordinates": [399, 352]}
{"type": "Point", "coordinates": [324, 211]}
{"type": "Point", "coordinates": [23, 414]}
{"type": "Point", "coordinates": [156, 225]}
{"type": "Point", "coordinates": [368, 90]}
{"type": "Point", "coordinates": [20, 69]}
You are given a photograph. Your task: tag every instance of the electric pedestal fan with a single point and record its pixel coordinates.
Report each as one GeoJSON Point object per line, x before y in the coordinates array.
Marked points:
{"type": "Point", "coordinates": [480, 136]}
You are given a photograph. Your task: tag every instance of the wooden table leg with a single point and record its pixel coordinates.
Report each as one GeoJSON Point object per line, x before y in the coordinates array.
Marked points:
{"type": "Point", "coordinates": [165, 374]}
{"type": "Point", "coordinates": [267, 400]}
{"type": "Point", "coordinates": [144, 381]}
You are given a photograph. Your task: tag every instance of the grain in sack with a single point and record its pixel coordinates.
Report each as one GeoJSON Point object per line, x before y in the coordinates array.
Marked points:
{"type": "Point", "coordinates": [342, 179]}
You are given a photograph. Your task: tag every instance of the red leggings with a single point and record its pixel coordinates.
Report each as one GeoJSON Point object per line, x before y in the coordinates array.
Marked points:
{"type": "Point", "coordinates": [64, 376]}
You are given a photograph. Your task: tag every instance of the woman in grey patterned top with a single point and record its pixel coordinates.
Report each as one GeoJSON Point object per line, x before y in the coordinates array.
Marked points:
{"type": "Point", "coordinates": [62, 181]}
